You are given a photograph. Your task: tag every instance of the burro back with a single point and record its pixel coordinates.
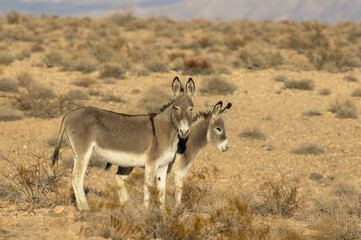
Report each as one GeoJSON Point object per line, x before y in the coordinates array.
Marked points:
{"type": "Point", "coordinates": [148, 140]}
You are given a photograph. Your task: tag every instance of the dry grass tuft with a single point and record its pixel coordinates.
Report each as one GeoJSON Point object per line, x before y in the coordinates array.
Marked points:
{"type": "Point", "coordinates": [280, 78]}
{"type": "Point", "coordinates": [9, 114]}
{"type": "Point", "coordinates": [305, 84]}
{"type": "Point", "coordinates": [8, 85]}
{"type": "Point", "coordinates": [39, 101]}
{"type": "Point", "coordinates": [197, 65]}
{"type": "Point", "coordinates": [344, 109]}
{"type": "Point", "coordinates": [351, 78]}
{"type": "Point", "coordinates": [53, 59]}
{"type": "Point", "coordinates": [325, 91]}
{"type": "Point", "coordinates": [85, 81]}
{"type": "Point", "coordinates": [252, 133]}
{"type": "Point", "coordinates": [312, 113]}
{"type": "Point", "coordinates": [77, 95]}
{"type": "Point", "coordinates": [278, 199]}
{"type": "Point", "coordinates": [307, 149]}
{"type": "Point", "coordinates": [356, 93]}
{"type": "Point", "coordinates": [112, 70]}
{"type": "Point", "coordinates": [6, 58]}
{"type": "Point", "coordinates": [217, 85]}
{"type": "Point", "coordinates": [112, 98]}
{"type": "Point", "coordinates": [338, 215]}
{"type": "Point", "coordinates": [231, 220]}
{"type": "Point", "coordinates": [153, 102]}
{"type": "Point", "coordinates": [253, 58]}
{"type": "Point", "coordinates": [35, 181]}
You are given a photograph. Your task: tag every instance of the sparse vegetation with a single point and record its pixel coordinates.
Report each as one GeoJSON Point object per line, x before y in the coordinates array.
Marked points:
{"type": "Point", "coordinates": [350, 78]}
{"type": "Point", "coordinates": [356, 93]}
{"type": "Point", "coordinates": [338, 215]}
{"type": "Point", "coordinates": [304, 84]}
{"type": "Point", "coordinates": [279, 199]}
{"type": "Point", "coordinates": [325, 91]}
{"type": "Point", "coordinates": [309, 149]}
{"type": "Point", "coordinates": [78, 95]}
{"type": "Point", "coordinates": [8, 114]}
{"type": "Point", "coordinates": [35, 181]}
{"type": "Point", "coordinates": [344, 108]}
{"type": "Point", "coordinates": [312, 113]}
{"type": "Point", "coordinates": [112, 70]}
{"type": "Point", "coordinates": [252, 133]}
{"type": "Point", "coordinates": [8, 85]}
{"type": "Point", "coordinates": [217, 85]}
{"type": "Point", "coordinates": [112, 98]}
{"type": "Point", "coordinates": [280, 78]}
{"type": "Point", "coordinates": [252, 58]}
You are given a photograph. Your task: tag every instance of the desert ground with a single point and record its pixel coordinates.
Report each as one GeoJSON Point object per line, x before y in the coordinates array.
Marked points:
{"type": "Point", "coordinates": [293, 169]}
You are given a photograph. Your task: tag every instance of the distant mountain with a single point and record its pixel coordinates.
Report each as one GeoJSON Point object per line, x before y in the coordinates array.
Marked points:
{"type": "Point", "coordinates": [321, 10]}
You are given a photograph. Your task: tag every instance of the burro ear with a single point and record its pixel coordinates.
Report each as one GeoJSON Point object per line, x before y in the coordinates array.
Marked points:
{"type": "Point", "coordinates": [190, 87]}
{"type": "Point", "coordinates": [229, 105]}
{"type": "Point", "coordinates": [176, 86]}
{"type": "Point", "coordinates": [217, 109]}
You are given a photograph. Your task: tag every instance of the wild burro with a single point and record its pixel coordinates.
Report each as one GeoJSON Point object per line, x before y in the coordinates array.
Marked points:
{"type": "Point", "coordinates": [148, 141]}
{"type": "Point", "coordinates": [207, 128]}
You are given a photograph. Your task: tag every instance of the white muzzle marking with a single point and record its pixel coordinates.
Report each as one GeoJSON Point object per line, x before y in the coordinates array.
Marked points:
{"type": "Point", "coordinates": [183, 129]}
{"type": "Point", "coordinates": [224, 146]}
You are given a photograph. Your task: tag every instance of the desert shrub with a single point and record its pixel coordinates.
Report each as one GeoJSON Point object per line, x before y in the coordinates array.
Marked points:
{"type": "Point", "coordinates": [112, 70]}
{"type": "Point", "coordinates": [112, 98]}
{"type": "Point", "coordinates": [41, 102]}
{"type": "Point", "coordinates": [233, 42]}
{"type": "Point", "coordinates": [123, 18]}
{"type": "Point", "coordinates": [344, 108]}
{"type": "Point", "coordinates": [85, 81]}
{"type": "Point", "coordinates": [280, 78]}
{"type": "Point", "coordinates": [25, 53]}
{"type": "Point", "coordinates": [196, 65]}
{"type": "Point", "coordinates": [78, 95]}
{"type": "Point", "coordinates": [217, 85]}
{"type": "Point", "coordinates": [307, 149]}
{"type": "Point", "coordinates": [252, 133]}
{"type": "Point", "coordinates": [8, 85]}
{"type": "Point", "coordinates": [157, 65]}
{"type": "Point", "coordinates": [24, 78]}
{"type": "Point", "coordinates": [231, 220]}
{"type": "Point", "coordinates": [356, 93]}
{"type": "Point", "coordinates": [350, 78]}
{"type": "Point", "coordinates": [53, 59]}
{"type": "Point", "coordinates": [305, 84]}
{"type": "Point", "coordinates": [325, 91]}
{"type": "Point", "coordinates": [101, 51]}
{"type": "Point", "coordinates": [13, 17]}
{"type": "Point", "coordinates": [153, 102]}
{"type": "Point", "coordinates": [6, 57]}
{"type": "Point", "coordinates": [8, 114]}
{"type": "Point", "coordinates": [84, 64]}
{"type": "Point", "coordinates": [35, 181]}
{"type": "Point", "coordinates": [37, 47]}
{"type": "Point", "coordinates": [312, 113]}
{"type": "Point", "coordinates": [338, 215]}
{"type": "Point", "coordinates": [255, 58]}
{"type": "Point", "coordinates": [314, 44]}
{"type": "Point", "coordinates": [278, 199]}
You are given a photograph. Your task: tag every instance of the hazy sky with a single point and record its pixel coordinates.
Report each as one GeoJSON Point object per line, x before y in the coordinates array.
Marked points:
{"type": "Point", "coordinates": [75, 7]}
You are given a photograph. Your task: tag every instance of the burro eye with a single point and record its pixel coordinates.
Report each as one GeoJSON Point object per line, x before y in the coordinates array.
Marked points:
{"type": "Point", "coordinates": [190, 109]}
{"type": "Point", "coordinates": [219, 129]}
{"type": "Point", "coordinates": [176, 108]}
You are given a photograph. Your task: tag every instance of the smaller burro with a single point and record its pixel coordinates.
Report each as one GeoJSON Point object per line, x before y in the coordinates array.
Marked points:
{"type": "Point", "coordinates": [148, 140]}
